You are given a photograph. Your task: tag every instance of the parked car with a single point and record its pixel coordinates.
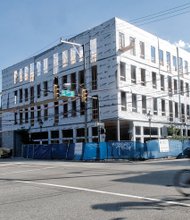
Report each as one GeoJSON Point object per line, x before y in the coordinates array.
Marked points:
{"type": "Point", "coordinates": [5, 152]}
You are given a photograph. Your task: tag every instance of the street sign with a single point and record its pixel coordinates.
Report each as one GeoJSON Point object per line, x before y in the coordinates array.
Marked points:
{"type": "Point", "coordinates": [100, 124]}
{"type": "Point", "coordinates": [68, 93]}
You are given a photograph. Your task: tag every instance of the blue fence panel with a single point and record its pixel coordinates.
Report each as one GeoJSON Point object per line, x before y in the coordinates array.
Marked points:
{"type": "Point", "coordinates": [24, 151]}
{"type": "Point", "coordinates": [70, 151]}
{"type": "Point", "coordinates": [185, 144]}
{"type": "Point", "coordinates": [175, 148]}
{"type": "Point", "coordinates": [59, 151]}
{"type": "Point", "coordinates": [140, 151]}
{"type": "Point", "coordinates": [78, 151]}
{"type": "Point", "coordinates": [122, 150]}
{"type": "Point", "coordinates": [30, 151]}
{"type": "Point", "coordinates": [153, 150]}
{"type": "Point", "coordinates": [42, 152]}
{"type": "Point", "coordinates": [103, 150]}
{"type": "Point", "coordinates": [90, 151]}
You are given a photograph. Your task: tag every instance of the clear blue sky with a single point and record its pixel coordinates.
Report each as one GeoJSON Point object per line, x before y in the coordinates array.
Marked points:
{"type": "Point", "coordinates": [28, 26]}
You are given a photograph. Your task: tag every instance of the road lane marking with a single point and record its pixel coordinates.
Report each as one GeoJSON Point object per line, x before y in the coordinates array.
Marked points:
{"type": "Point", "coordinates": [106, 192]}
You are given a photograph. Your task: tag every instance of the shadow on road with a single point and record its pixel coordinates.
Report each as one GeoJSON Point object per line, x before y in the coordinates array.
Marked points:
{"type": "Point", "coordinates": [139, 205]}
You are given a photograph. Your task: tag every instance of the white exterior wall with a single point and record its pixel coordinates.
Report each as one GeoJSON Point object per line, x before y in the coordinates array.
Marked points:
{"type": "Point", "coordinates": [137, 118]}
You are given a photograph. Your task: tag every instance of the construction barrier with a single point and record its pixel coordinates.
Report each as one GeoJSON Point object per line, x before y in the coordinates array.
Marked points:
{"type": "Point", "coordinates": [107, 150]}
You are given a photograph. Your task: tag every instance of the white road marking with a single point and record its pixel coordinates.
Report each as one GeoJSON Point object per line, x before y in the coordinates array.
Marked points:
{"type": "Point", "coordinates": [107, 192]}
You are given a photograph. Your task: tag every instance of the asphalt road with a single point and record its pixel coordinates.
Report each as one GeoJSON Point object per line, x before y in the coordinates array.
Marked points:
{"type": "Point", "coordinates": [99, 190]}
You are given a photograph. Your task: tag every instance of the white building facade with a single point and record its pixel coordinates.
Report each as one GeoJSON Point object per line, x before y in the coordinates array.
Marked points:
{"type": "Point", "coordinates": [137, 84]}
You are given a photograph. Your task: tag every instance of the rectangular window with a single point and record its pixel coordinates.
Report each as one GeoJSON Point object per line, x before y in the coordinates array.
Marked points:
{"type": "Point", "coordinates": [154, 80]}
{"type": "Point", "coordinates": [38, 113]}
{"type": "Point", "coordinates": [183, 112]}
{"type": "Point", "coordinates": [45, 65]}
{"type": "Point", "coordinates": [94, 78]}
{"type": "Point", "coordinates": [38, 90]}
{"type": "Point", "coordinates": [74, 109]}
{"type": "Point", "coordinates": [187, 89]}
{"type": "Point", "coordinates": [163, 107]}
{"type": "Point", "coordinates": [21, 75]}
{"type": "Point", "coordinates": [186, 69]}
{"type": "Point", "coordinates": [180, 60]}
{"type": "Point", "coordinates": [132, 43]}
{"type": "Point", "coordinates": [45, 88]}
{"type": "Point", "coordinates": [168, 60]}
{"type": "Point", "coordinates": [73, 81]}
{"type": "Point", "coordinates": [170, 111]}
{"type": "Point", "coordinates": [81, 78]}
{"type": "Point", "coordinates": [188, 111]}
{"type": "Point", "coordinates": [175, 63]}
{"type": "Point", "coordinates": [15, 97]}
{"type": "Point", "coordinates": [65, 60]}
{"type": "Point", "coordinates": [15, 118]}
{"type": "Point", "coordinates": [155, 106]}
{"type": "Point", "coordinates": [65, 109]}
{"type": "Point", "coordinates": [15, 76]}
{"type": "Point", "coordinates": [73, 55]}
{"type": "Point", "coordinates": [26, 115]}
{"type": "Point", "coordinates": [182, 87]}
{"type": "Point", "coordinates": [121, 40]}
{"type": "Point", "coordinates": [26, 95]}
{"type": "Point", "coordinates": [162, 82]}
{"type": "Point", "coordinates": [64, 81]}
{"type": "Point", "coordinates": [170, 85]}
{"type": "Point", "coordinates": [133, 74]}
{"type": "Point", "coordinates": [56, 113]}
{"type": "Point", "coordinates": [32, 116]}
{"type": "Point", "coordinates": [93, 50]}
{"type": "Point", "coordinates": [82, 108]}
{"type": "Point", "coordinates": [144, 106]}
{"type": "Point", "coordinates": [46, 112]}
{"type": "Point", "coordinates": [95, 108]}
{"type": "Point", "coordinates": [26, 73]}
{"type": "Point", "coordinates": [122, 71]}
{"type": "Point", "coordinates": [20, 95]}
{"type": "Point", "coordinates": [38, 68]}
{"type": "Point", "coordinates": [80, 54]}
{"type": "Point", "coordinates": [123, 101]}
{"type": "Point", "coordinates": [143, 77]}
{"type": "Point", "coordinates": [134, 102]}
{"type": "Point", "coordinates": [31, 72]}
{"type": "Point", "coordinates": [21, 117]}
{"type": "Point", "coordinates": [32, 94]}
{"type": "Point", "coordinates": [153, 54]}
{"type": "Point", "coordinates": [161, 57]}
{"type": "Point", "coordinates": [55, 63]}
{"type": "Point", "coordinates": [175, 86]}
{"type": "Point", "coordinates": [176, 110]}
{"type": "Point", "coordinates": [142, 50]}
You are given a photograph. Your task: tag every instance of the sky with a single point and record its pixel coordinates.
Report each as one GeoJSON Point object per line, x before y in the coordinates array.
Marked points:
{"type": "Point", "coordinates": [28, 27]}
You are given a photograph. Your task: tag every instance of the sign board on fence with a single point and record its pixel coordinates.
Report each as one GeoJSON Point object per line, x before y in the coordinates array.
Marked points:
{"type": "Point", "coordinates": [78, 149]}
{"type": "Point", "coordinates": [164, 145]}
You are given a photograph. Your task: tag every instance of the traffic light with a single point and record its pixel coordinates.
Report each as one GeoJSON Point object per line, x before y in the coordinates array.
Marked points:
{"type": "Point", "coordinates": [84, 95]}
{"type": "Point", "coordinates": [56, 91]}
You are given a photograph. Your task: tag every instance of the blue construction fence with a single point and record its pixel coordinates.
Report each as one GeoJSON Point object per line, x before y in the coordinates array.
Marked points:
{"type": "Point", "coordinates": [106, 150]}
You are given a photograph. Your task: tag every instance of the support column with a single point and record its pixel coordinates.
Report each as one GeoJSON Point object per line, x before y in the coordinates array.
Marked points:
{"type": "Point", "coordinates": [118, 129]}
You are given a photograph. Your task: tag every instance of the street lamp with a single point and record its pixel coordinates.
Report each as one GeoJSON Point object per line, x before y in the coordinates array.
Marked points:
{"type": "Point", "coordinates": [41, 124]}
{"type": "Point", "coordinates": [149, 119]}
{"type": "Point", "coordinates": [84, 67]}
